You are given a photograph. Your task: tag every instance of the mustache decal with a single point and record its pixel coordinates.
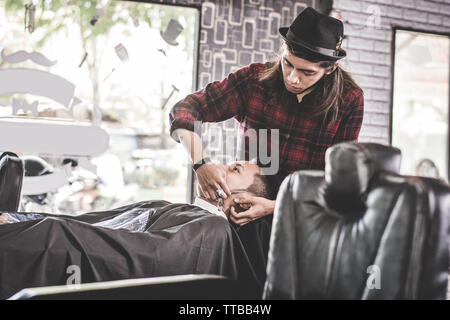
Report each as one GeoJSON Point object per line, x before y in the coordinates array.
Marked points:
{"type": "Point", "coordinates": [22, 55]}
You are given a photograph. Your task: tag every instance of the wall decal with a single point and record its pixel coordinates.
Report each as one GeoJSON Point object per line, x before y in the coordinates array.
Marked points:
{"type": "Point", "coordinates": [50, 137]}
{"type": "Point", "coordinates": [46, 183]}
{"type": "Point", "coordinates": [122, 54]}
{"type": "Point", "coordinates": [22, 55]}
{"type": "Point", "coordinates": [30, 10]}
{"type": "Point", "coordinates": [37, 82]}
{"type": "Point", "coordinates": [18, 105]}
{"type": "Point", "coordinates": [83, 60]}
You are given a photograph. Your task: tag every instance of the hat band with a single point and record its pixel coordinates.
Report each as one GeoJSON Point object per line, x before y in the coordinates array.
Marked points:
{"type": "Point", "coordinates": [327, 52]}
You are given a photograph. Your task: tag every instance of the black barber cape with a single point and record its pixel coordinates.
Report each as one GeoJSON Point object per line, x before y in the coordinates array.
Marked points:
{"type": "Point", "coordinates": [178, 239]}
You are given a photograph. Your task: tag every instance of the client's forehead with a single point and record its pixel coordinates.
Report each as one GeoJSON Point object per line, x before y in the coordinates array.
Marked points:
{"type": "Point", "coordinates": [248, 166]}
{"type": "Point", "coordinates": [241, 175]}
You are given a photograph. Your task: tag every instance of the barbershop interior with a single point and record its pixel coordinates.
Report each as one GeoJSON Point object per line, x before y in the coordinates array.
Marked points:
{"type": "Point", "coordinates": [224, 150]}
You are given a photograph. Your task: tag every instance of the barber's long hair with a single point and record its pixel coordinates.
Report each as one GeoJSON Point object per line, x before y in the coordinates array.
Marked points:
{"type": "Point", "coordinates": [328, 93]}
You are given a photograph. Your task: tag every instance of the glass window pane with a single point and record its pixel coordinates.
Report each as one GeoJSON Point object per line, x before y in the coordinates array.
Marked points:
{"type": "Point", "coordinates": [420, 106]}
{"type": "Point", "coordinates": [126, 70]}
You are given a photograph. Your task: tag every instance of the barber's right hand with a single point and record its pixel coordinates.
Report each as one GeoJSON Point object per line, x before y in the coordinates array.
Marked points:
{"type": "Point", "coordinates": [211, 177]}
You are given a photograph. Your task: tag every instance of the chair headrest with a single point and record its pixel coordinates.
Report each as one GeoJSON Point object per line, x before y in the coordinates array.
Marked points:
{"type": "Point", "coordinates": [350, 166]}
{"type": "Point", "coordinates": [11, 175]}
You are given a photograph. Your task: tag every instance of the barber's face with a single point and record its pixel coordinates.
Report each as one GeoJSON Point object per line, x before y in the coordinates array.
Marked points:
{"type": "Point", "coordinates": [300, 74]}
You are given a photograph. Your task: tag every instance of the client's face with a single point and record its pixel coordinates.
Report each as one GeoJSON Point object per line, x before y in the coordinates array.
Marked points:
{"type": "Point", "coordinates": [240, 176]}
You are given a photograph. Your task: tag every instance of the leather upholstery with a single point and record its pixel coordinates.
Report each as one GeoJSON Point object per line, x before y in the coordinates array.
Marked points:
{"type": "Point", "coordinates": [335, 233]}
{"type": "Point", "coordinates": [11, 177]}
{"type": "Point", "coordinates": [348, 170]}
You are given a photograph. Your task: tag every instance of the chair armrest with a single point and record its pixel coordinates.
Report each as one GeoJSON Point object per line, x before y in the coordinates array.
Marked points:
{"type": "Point", "coordinates": [181, 287]}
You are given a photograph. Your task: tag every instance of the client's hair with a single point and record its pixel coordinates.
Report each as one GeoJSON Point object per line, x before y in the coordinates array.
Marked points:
{"type": "Point", "coordinates": [261, 187]}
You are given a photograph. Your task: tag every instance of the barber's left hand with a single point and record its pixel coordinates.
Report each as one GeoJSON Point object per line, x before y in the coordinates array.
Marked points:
{"type": "Point", "coordinates": [256, 207]}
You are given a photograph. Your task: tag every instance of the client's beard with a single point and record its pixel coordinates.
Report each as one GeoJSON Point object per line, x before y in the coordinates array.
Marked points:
{"type": "Point", "coordinates": [238, 208]}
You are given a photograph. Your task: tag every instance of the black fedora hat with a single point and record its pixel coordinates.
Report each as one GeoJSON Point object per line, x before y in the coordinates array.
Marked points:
{"type": "Point", "coordinates": [316, 33]}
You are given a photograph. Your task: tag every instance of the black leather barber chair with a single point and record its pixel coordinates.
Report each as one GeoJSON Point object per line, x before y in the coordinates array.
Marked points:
{"type": "Point", "coordinates": [359, 230]}
{"type": "Point", "coordinates": [11, 176]}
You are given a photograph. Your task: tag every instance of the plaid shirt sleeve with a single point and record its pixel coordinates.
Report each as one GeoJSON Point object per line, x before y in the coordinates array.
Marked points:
{"type": "Point", "coordinates": [218, 101]}
{"type": "Point", "coordinates": [351, 122]}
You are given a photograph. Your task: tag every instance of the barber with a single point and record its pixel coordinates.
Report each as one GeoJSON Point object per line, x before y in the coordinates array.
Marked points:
{"type": "Point", "coordinates": [304, 93]}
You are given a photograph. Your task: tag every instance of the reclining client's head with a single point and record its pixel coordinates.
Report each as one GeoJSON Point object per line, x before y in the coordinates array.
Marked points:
{"type": "Point", "coordinates": [244, 177]}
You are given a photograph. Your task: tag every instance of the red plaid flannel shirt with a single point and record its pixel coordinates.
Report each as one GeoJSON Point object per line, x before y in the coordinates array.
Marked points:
{"type": "Point", "coordinates": [303, 141]}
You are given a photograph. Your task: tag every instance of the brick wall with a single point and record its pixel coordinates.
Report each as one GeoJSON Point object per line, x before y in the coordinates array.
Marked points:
{"type": "Point", "coordinates": [369, 49]}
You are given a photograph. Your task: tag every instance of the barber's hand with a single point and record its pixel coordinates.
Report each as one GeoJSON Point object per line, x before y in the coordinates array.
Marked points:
{"type": "Point", "coordinates": [4, 219]}
{"type": "Point", "coordinates": [256, 207]}
{"type": "Point", "coordinates": [211, 177]}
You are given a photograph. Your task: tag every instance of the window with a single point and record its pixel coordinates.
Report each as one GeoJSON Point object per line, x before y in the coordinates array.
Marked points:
{"type": "Point", "coordinates": [112, 67]}
{"type": "Point", "coordinates": [421, 102]}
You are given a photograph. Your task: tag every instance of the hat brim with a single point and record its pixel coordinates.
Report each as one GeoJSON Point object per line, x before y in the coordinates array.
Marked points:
{"type": "Point", "coordinates": [283, 33]}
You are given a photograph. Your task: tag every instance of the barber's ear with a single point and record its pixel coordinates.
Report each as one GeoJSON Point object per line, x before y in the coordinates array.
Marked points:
{"type": "Point", "coordinates": [336, 64]}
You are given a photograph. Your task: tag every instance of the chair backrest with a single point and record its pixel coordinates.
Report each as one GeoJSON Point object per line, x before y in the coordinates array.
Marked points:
{"type": "Point", "coordinates": [359, 230]}
{"type": "Point", "coordinates": [11, 177]}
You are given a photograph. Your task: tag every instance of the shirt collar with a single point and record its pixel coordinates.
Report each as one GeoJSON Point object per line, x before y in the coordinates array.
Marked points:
{"type": "Point", "coordinates": [208, 207]}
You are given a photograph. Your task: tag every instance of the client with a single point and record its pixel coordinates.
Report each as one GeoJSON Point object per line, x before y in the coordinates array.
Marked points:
{"type": "Point", "coordinates": [145, 239]}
